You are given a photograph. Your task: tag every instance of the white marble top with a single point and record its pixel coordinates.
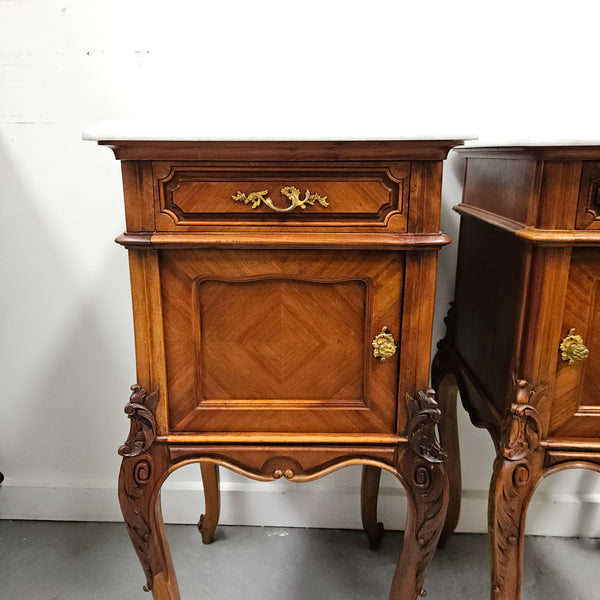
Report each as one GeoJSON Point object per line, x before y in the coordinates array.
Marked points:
{"type": "Point", "coordinates": [532, 143]}
{"type": "Point", "coordinates": [194, 132]}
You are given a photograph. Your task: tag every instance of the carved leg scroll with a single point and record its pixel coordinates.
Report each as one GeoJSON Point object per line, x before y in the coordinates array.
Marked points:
{"type": "Point", "coordinates": [144, 468]}
{"type": "Point", "coordinates": [212, 502]}
{"type": "Point", "coordinates": [369, 492]}
{"type": "Point", "coordinates": [516, 473]}
{"type": "Point", "coordinates": [422, 472]}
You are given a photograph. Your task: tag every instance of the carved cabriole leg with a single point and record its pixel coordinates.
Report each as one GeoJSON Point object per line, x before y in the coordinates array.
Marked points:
{"type": "Point", "coordinates": [512, 486]}
{"type": "Point", "coordinates": [517, 472]}
{"type": "Point", "coordinates": [369, 492]}
{"type": "Point", "coordinates": [212, 502]}
{"type": "Point", "coordinates": [443, 379]}
{"type": "Point", "coordinates": [144, 468]}
{"type": "Point", "coordinates": [447, 392]}
{"type": "Point", "coordinates": [420, 468]}
{"type": "Point", "coordinates": [140, 480]}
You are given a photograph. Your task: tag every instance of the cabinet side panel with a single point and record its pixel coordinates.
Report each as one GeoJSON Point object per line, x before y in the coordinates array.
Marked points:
{"type": "Point", "coordinates": [508, 187]}
{"type": "Point", "coordinates": [489, 287]}
{"type": "Point", "coordinates": [425, 197]}
{"type": "Point", "coordinates": [557, 205]}
{"type": "Point", "coordinates": [138, 192]}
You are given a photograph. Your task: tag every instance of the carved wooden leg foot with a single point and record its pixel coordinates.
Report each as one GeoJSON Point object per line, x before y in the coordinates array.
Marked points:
{"type": "Point", "coordinates": [427, 491]}
{"type": "Point", "coordinates": [512, 486]}
{"type": "Point", "coordinates": [447, 393]}
{"type": "Point", "coordinates": [368, 505]}
{"type": "Point", "coordinates": [212, 502]}
{"type": "Point", "coordinates": [140, 480]}
{"type": "Point", "coordinates": [517, 471]}
{"type": "Point", "coordinates": [144, 468]}
{"type": "Point", "coordinates": [421, 470]}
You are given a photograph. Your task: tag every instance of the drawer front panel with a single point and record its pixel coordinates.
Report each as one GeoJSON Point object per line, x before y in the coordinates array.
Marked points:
{"type": "Point", "coordinates": [191, 197]}
{"type": "Point", "coordinates": [588, 207]}
{"type": "Point", "coordinates": [280, 341]}
{"type": "Point", "coordinates": [576, 407]}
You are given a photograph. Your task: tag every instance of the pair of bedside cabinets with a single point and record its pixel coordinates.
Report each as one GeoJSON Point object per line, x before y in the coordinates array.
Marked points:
{"type": "Point", "coordinates": [283, 299]}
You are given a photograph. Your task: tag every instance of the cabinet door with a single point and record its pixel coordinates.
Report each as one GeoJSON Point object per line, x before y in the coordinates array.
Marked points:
{"type": "Point", "coordinates": [576, 405]}
{"type": "Point", "coordinates": [280, 340]}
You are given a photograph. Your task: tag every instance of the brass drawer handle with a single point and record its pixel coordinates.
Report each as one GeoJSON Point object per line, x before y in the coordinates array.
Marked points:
{"type": "Point", "coordinates": [291, 192]}
{"type": "Point", "coordinates": [572, 348]}
{"type": "Point", "coordinates": [384, 345]}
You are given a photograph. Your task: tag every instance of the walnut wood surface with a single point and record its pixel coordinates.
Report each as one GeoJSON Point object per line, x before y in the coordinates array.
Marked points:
{"type": "Point", "coordinates": [523, 281]}
{"type": "Point", "coordinates": [253, 328]}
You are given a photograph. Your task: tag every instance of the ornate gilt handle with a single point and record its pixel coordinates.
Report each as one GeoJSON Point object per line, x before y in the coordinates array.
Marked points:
{"type": "Point", "coordinates": [384, 346]}
{"type": "Point", "coordinates": [291, 192]}
{"type": "Point", "coordinates": [572, 348]}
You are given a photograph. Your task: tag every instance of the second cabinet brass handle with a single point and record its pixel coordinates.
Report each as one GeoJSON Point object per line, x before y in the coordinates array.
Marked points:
{"type": "Point", "coordinates": [573, 349]}
{"type": "Point", "coordinates": [291, 192]}
{"type": "Point", "coordinates": [384, 346]}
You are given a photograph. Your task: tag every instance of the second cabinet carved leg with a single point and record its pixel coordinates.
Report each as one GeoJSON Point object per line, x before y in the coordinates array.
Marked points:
{"type": "Point", "coordinates": [212, 502]}
{"type": "Point", "coordinates": [369, 493]}
{"type": "Point", "coordinates": [140, 480]}
{"type": "Point", "coordinates": [512, 486]}
{"type": "Point", "coordinates": [447, 393]}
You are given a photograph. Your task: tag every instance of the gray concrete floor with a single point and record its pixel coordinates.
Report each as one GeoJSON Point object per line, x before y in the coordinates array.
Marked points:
{"type": "Point", "coordinates": [95, 561]}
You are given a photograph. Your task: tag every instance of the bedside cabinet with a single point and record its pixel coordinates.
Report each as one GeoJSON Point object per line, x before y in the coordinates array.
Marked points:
{"type": "Point", "coordinates": [523, 338]}
{"type": "Point", "coordinates": [283, 302]}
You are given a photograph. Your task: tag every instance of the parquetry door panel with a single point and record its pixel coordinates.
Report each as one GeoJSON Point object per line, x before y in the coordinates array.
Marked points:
{"type": "Point", "coordinates": [576, 411]}
{"type": "Point", "coordinates": [273, 340]}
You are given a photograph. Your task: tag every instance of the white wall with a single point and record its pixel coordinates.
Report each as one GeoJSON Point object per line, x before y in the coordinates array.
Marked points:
{"type": "Point", "coordinates": [502, 70]}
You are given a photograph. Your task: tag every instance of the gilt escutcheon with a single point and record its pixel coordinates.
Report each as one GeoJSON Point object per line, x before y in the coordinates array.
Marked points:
{"type": "Point", "coordinates": [384, 346]}
{"type": "Point", "coordinates": [573, 349]}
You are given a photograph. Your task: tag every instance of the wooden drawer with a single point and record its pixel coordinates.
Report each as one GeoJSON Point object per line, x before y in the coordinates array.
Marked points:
{"type": "Point", "coordinates": [588, 207]}
{"type": "Point", "coordinates": [280, 340]}
{"type": "Point", "coordinates": [323, 196]}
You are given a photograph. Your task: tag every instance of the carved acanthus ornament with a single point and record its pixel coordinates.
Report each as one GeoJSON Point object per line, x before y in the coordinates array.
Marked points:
{"type": "Point", "coordinates": [140, 409]}
{"type": "Point", "coordinates": [522, 427]}
{"type": "Point", "coordinates": [423, 418]}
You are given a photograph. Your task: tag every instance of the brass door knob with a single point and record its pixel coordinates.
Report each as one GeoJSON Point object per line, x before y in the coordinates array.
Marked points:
{"type": "Point", "coordinates": [573, 349]}
{"type": "Point", "coordinates": [384, 345]}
